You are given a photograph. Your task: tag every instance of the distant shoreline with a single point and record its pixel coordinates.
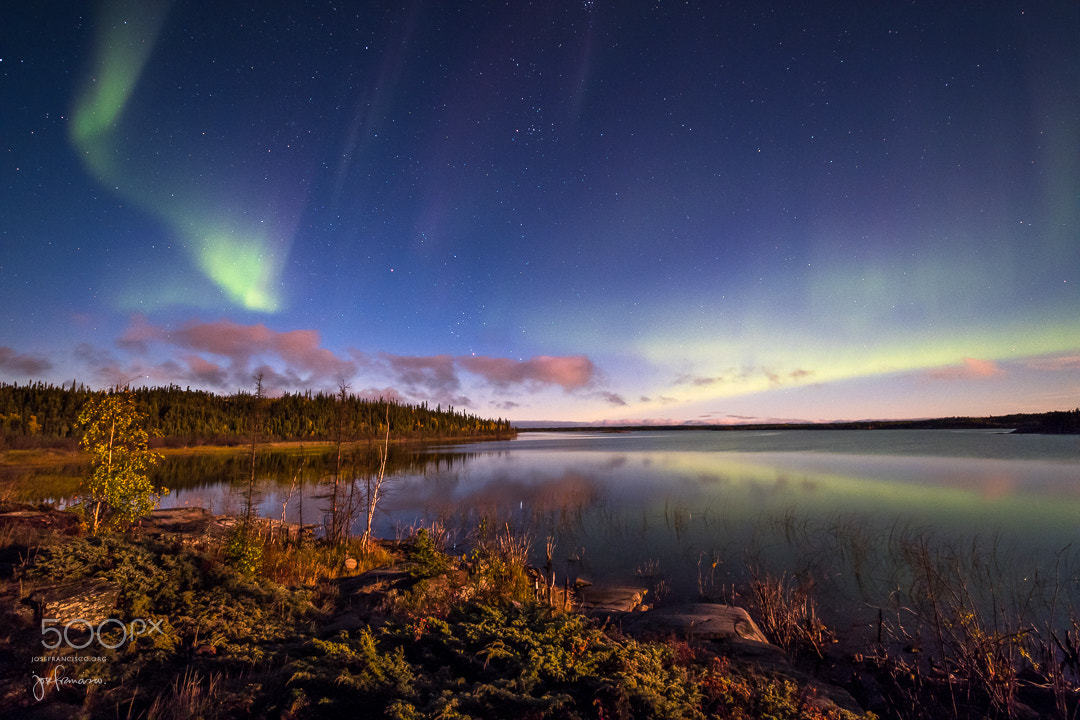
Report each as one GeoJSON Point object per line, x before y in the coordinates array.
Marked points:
{"type": "Point", "coordinates": [1050, 423]}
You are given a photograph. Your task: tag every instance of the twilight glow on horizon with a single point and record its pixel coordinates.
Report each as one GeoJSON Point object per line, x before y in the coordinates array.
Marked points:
{"type": "Point", "coordinates": [624, 212]}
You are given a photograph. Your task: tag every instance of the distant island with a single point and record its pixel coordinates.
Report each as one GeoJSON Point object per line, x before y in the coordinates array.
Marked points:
{"type": "Point", "coordinates": [1061, 422]}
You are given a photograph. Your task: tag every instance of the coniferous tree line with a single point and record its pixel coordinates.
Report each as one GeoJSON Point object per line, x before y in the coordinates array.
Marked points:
{"type": "Point", "coordinates": [40, 414]}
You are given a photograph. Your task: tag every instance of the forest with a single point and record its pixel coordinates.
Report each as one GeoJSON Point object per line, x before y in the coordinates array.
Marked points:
{"type": "Point", "coordinates": [43, 415]}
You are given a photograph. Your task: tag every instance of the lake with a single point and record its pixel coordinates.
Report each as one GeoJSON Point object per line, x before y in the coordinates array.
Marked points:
{"type": "Point", "coordinates": [698, 512]}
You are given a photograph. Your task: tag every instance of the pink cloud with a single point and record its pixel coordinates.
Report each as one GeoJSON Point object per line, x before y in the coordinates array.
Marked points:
{"type": "Point", "coordinates": [205, 371]}
{"type": "Point", "coordinates": [138, 335]}
{"type": "Point", "coordinates": [225, 338]}
{"type": "Point", "coordinates": [224, 354]}
{"type": "Point", "coordinates": [298, 351]}
{"type": "Point", "coordinates": [570, 372]}
{"type": "Point", "coordinates": [387, 393]}
{"type": "Point", "coordinates": [438, 376]}
{"type": "Point", "coordinates": [969, 369]}
{"type": "Point", "coordinates": [22, 363]}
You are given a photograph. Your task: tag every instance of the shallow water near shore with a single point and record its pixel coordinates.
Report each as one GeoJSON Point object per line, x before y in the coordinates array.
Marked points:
{"type": "Point", "coordinates": [696, 512]}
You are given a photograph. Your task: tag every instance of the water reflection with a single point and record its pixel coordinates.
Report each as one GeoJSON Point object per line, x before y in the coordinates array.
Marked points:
{"type": "Point", "coordinates": [699, 511]}
{"type": "Point", "coordinates": [703, 508]}
{"type": "Point", "coordinates": [710, 507]}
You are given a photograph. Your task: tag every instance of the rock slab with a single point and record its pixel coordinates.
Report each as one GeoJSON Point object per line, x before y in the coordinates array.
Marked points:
{"type": "Point", "coordinates": [617, 598]}
{"type": "Point", "coordinates": [706, 621]}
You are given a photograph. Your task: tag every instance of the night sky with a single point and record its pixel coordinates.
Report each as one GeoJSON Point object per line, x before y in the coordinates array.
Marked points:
{"type": "Point", "coordinates": [573, 211]}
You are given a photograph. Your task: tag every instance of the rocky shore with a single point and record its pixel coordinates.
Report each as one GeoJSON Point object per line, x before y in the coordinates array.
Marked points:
{"type": "Point", "coordinates": [419, 629]}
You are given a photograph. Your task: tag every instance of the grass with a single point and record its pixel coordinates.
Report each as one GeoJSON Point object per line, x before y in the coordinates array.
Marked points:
{"type": "Point", "coordinates": [190, 696]}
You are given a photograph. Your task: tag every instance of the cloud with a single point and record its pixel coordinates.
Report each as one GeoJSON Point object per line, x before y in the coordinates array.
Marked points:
{"type": "Point", "coordinates": [103, 365]}
{"type": "Point", "coordinates": [438, 377]}
{"type": "Point", "coordinates": [969, 369]}
{"type": "Point", "coordinates": [697, 380]}
{"type": "Point", "coordinates": [204, 372]}
{"type": "Point", "coordinates": [21, 363]}
{"type": "Point", "coordinates": [138, 335]}
{"type": "Point", "coordinates": [299, 349]}
{"type": "Point", "coordinates": [225, 355]}
{"type": "Point", "coordinates": [570, 373]}
{"type": "Point", "coordinates": [1056, 364]}
{"type": "Point", "coordinates": [776, 378]}
{"type": "Point", "coordinates": [387, 393]}
{"type": "Point", "coordinates": [613, 398]}
{"type": "Point", "coordinates": [247, 348]}
{"type": "Point", "coordinates": [108, 370]}
{"type": "Point", "coordinates": [433, 373]}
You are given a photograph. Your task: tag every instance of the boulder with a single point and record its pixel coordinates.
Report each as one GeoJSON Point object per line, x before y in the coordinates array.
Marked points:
{"type": "Point", "coordinates": [91, 601]}
{"type": "Point", "coordinates": [617, 598]}
{"type": "Point", "coordinates": [704, 621]}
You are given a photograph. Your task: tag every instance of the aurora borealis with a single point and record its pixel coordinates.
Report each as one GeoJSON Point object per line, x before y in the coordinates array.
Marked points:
{"type": "Point", "coordinates": [579, 211]}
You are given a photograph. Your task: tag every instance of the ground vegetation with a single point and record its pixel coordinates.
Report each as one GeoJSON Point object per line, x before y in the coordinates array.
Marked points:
{"type": "Point", "coordinates": [427, 635]}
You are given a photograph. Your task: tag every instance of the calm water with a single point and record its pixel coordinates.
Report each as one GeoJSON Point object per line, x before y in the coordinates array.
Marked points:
{"type": "Point", "coordinates": [698, 508]}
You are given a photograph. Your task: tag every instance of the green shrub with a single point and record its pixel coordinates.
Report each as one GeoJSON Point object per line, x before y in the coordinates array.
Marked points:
{"type": "Point", "coordinates": [427, 561]}
{"type": "Point", "coordinates": [494, 662]}
{"type": "Point", "coordinates": [743, 692]}
{"type": "Point", "coordinates": [244, 550]}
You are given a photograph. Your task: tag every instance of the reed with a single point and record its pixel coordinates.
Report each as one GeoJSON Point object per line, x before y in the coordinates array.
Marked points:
{"type": "Point", "coordinates": [512, 547]}
{"type": "Point", "coordinates": [651, 573]}
{"type": "Point", "coordinates": [965, 625]}
{"type": "Point", "coordinates": [786, 608]}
